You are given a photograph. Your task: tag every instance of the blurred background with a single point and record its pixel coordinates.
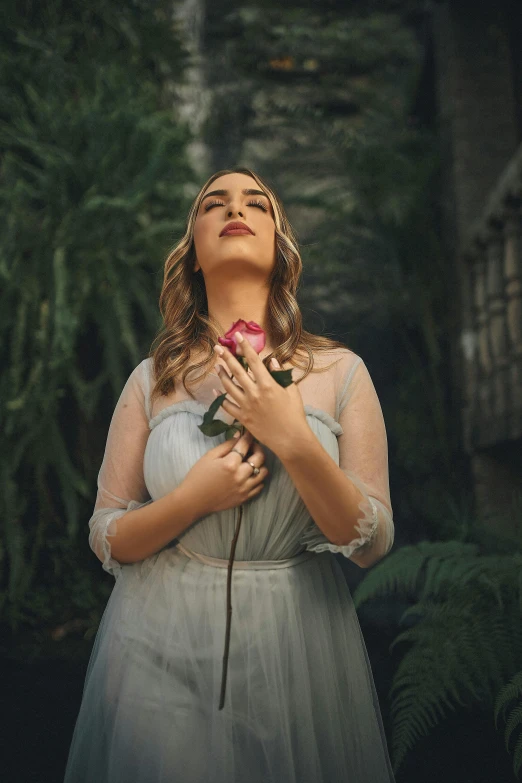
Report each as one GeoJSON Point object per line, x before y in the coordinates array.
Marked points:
{"type": "Point", "coordinates": [392, 131]}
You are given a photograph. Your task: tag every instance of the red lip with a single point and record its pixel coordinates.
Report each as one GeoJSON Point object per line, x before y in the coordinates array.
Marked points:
{"type": "Point", "coordinates": [236, 227]}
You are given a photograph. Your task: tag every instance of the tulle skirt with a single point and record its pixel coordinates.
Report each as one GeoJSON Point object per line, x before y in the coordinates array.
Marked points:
{"type": "Point", "coordinates": [300, 706]}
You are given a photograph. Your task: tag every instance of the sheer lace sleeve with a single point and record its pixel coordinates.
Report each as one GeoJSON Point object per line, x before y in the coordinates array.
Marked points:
{"type": "Point", "coordinates": [363, 457]}
{"type": "Point", "coordinates": [121, 484]}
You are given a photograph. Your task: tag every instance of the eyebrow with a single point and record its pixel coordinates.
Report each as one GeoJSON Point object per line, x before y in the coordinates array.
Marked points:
{"type": "Point", "coordinates": [245, 192]}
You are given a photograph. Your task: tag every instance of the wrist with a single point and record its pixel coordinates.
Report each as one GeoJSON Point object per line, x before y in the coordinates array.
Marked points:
{"type": "Point", "coordinates": [189, 501]}
{"type": "Point", "coordinates": [293, 446]}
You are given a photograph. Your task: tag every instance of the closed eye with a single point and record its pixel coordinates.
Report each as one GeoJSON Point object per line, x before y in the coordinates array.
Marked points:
{"type": "Point", "coordinates": [249, 204]}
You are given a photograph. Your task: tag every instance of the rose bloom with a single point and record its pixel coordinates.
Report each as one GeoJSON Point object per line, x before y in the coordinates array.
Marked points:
{"type": "Point", "coordinates": [250, 331]}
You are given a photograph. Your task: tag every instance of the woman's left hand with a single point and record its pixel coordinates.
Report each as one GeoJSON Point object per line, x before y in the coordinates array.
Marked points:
{"type": "Point", "coordinates": [272, 413]}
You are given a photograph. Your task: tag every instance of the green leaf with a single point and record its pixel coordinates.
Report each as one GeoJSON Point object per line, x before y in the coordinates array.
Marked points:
{"type": "Point", "coordinates": [210, 426]}
{"type": "Point", "coordinates": [213, 428]}
{"type": "Point", "coordinates": [283, 377]}
{"type": "Point", "coordinates": [209, 415]}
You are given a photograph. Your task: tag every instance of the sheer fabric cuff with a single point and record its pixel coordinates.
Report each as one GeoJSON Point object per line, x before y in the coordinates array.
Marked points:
{"type": "Point", "coordinates": [374, 527]}
{"type": "Point", "coordinates": [102, 525]}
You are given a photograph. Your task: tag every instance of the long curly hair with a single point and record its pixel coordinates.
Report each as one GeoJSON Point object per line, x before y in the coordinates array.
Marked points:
{"type": "Point", "coordinates": [187, 325]}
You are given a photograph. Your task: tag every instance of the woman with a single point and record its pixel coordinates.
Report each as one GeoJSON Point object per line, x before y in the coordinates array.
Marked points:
{"type": "Point", "coordinates": [311, 474]}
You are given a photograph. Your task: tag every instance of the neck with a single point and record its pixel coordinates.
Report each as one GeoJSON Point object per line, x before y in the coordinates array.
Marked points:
{"type": "Point", "coordinates": [241, 298]}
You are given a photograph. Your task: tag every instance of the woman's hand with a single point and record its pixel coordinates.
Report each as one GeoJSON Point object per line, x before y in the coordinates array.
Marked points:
{"type": "Point", "coordinates": [272, 413]}
{"type": "Point", "coordinates": [220, 479]}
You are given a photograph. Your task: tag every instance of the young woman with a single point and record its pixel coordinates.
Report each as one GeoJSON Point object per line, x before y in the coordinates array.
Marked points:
{"type": "Point", "coordinates": [311, 475]}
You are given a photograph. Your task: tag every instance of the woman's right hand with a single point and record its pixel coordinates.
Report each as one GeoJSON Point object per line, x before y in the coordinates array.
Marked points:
{"type": "Point", "coordinates": [220, 479]}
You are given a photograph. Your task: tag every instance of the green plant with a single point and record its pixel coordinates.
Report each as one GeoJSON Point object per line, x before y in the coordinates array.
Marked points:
{"type": "Point", "coordinates": [512, 692]}
{"type": "Point", "coordinates": [92, 176]}
{"type": "Point", "coordinates": [463, 630]}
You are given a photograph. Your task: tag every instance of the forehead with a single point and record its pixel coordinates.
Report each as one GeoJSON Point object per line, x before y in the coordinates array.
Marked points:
{"type": "Point", "coordinates": [232, 182]}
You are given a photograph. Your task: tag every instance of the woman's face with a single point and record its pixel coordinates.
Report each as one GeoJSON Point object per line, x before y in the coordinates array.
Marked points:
{"type": "Point", "coordinates": [235, 253]}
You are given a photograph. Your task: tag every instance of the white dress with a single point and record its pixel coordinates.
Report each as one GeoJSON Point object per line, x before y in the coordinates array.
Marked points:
{"type": "Point", "coordinates": [301, 705]}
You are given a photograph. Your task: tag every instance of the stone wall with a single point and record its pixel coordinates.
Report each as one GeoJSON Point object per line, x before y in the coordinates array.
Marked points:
{"type": "Point", "coordinates": [477, 47]}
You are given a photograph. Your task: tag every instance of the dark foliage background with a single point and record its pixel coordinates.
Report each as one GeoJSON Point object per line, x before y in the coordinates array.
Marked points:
{"type": "Point", "coordinates": [93, 190]}
{"type": "Point", "coordinates": [333, 103]}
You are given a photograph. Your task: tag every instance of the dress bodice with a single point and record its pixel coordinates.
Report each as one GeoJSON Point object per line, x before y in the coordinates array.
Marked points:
{"type": "Point", "coordinates": [151, 446]}
{"type": "Point", "coordinates": [272, 522]}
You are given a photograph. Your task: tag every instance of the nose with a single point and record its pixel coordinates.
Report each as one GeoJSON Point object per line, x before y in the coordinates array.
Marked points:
{"type": "Point", "coordinates": [232, 210]}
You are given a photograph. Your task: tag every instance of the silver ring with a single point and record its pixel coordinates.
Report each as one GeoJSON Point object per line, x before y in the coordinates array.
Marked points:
{"type": "Point", "coordinates": [256, 470]}
{"type": "Point", "coordinates": [239, 452]}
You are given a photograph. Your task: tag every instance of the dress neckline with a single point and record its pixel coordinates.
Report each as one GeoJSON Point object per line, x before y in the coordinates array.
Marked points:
{"type": "Point", "coordinates": [199, 408]}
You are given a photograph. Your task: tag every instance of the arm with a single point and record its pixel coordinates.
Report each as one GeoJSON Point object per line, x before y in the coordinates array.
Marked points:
{"type": "Point", "coordinates": [147, 525]}
{"type": "Point", "coordinates": [350, 502]}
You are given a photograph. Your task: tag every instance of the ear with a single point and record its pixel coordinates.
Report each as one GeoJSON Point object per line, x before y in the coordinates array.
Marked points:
{"type": "Point", "coordinates": [196, 267]}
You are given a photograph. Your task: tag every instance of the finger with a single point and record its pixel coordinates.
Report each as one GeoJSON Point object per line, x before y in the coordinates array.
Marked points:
{"type": "Point", "coordinates": [241, 450]}
{"type": "Point", "coordinates": [232, 409]}
{"type": "Point", "coordinates": [236, 392]}
{"type": "Point", "coordinates": [234, 366]}
{"type": "Point", "coordinates": [244, 442]}
{"type": "Point", "coordinates": [257, 446]}
{"type": "Point", "coordinates": [255, 491]}
{"type": "Point", "coordinates": [250, 478]}
{"type": "Point", "coordinates": [226, 447]}
{"type": "Point", "coordinates": [259, 370]}
{"type": "Point", "coordinates": [230, 443]}
{"type": "Point", "coordinates": [257, 455]}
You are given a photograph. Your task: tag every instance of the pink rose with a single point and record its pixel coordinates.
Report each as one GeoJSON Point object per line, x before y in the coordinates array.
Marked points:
{"type": "Point", "coordinates": [250, 331]}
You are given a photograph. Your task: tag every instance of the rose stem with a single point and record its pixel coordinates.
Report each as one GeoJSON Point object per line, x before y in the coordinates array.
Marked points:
{"type": "Point", "coordinates": [229, 603]}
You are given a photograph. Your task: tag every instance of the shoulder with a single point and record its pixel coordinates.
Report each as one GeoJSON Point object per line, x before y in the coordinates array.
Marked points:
{"type": "Point", "coordinates": [141, 374]}
{"type": "Point", "coordinates": [138, 385]}
{"type": "Point", "coordinates": [346, 370]}
{"type": "Point", "coordinates": [335, 362]}
{"type": "Point", "coordinates": [339, 360]}
{"type": "Point", "coordinates": [144, 370]}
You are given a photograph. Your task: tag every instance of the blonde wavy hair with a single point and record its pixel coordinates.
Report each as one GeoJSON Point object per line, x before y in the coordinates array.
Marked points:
{"type": "Point", "coordinates": [187, 325]}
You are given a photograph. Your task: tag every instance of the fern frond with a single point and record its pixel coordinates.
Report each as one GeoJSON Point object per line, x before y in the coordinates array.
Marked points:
{"type": "Point", "coordinates": [511, 691]}
{"type": "Point", "coordinates": [426, 566]}
{"type": "Point", "coordinates": [463, 633]}
{"type": "Point", "coordinates": [513, 722]}
{"type": "Point", "coordinates": [517, 756]}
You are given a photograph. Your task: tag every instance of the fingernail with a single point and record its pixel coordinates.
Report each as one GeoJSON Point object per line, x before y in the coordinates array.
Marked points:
{"type": "Point", "coordinates": [236, 434]}
{"type": "Point", "coordinates": [217, 368]}
{"type": "Point", "coordinates": [219, 350]}
{"type": "Point", "coordinates": [275, 362]}
{"type": "Point", "coordinates": [239, 337]}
